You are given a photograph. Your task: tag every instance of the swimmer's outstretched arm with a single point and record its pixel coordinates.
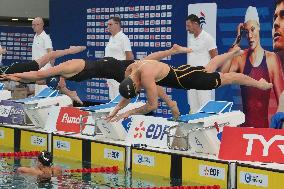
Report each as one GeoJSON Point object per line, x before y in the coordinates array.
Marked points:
{"type": "Point", "coordinates": [29, 170]}
{"type": "Point", "coordinates": [171, 103]}
{"type": "Point", "coordinates": [122, 103]}
{"type": "Point", "coordinates": [33, 76]}
{"type": "Point", "coordinates": [64, 90]}
{"type": "Point", "coordinates": [24, 77]}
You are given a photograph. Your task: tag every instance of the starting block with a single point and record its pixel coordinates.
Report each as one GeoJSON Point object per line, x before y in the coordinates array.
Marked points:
{"type": "Point", "coordinates": [199, 132]}
{"type": "Point", "coordinates": [37, 108]}
{"type": "Point", "coordinates": [33, 110]}
{"type": "Point", "coordinates": [113, 130]}
{"type": "Point", "coordinates": [4, 94]}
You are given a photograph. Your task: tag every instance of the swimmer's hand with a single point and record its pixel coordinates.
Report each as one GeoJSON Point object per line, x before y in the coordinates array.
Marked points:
{"type": "Point", "coordinates": [111, 116]}
{"type": "Point", "coordinates": [11, 77]}
{"type": "Point", "coordinates": [174, 108]}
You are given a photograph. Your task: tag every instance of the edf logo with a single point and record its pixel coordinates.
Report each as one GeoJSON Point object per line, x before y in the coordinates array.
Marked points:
{"type": "Point", "coordinates": [126, 123]}
{"type": "Point", "coordinates": [156, 131]}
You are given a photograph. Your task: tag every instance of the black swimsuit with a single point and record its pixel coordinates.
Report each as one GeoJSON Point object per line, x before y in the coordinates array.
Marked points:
{"type": "Point", "coordinates": [20, 68]}
{"type": "Point", "coordinates": [108, 68]}
{"type": "Point", "coordinates": [189, 77]}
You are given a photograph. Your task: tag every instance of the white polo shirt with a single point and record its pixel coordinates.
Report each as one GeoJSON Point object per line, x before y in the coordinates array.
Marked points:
{"type": "Point", "coordinates": [41, 43]}
{"type": "Point", "coordinates": [201, 45]}
{"type": "Point", "coordinates": [117, 46]}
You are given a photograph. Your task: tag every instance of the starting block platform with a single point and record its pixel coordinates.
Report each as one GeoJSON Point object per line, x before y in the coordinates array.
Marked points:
{"type": "Point", "coordinates": [201, 132]}
{"type": "Point", "coordinates": [33, 110]}
{"type": "Point", "coordinates": [38, 108]}
{"type": "Point", "coordinates": [194, 132]}
{"type": "Point", "coordinates": [112, 130]}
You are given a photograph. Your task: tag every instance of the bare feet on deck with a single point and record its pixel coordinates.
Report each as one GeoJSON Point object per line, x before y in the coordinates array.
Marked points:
{"type": "Point", "coordinates": [264, 85]}
{"type": "Point", "coordinates": [76, 49]}
{"type": "Point", "coordinates": [179, 49]}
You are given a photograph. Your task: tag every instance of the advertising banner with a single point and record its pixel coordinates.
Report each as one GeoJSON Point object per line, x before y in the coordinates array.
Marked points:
{"type": "Point", "coordinates": [252, 144]}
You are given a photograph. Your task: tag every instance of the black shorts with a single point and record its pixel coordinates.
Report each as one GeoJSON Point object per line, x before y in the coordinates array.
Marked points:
{"type": "Point", "coordinates": [20, 68]}
{"type": "Point", "coordinates": [189, 77]}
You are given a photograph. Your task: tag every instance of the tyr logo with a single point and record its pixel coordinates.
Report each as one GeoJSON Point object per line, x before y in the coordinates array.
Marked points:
{"type": "Point", "coordinates": [266, 144]}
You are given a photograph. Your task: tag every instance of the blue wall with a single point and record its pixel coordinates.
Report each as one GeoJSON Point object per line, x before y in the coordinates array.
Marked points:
{"type": "Point", "coordinates": [68, 27]}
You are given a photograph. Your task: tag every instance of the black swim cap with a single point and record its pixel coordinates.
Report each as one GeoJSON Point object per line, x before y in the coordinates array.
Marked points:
{"type": "Point", "coordinates": [45, 158]}
{"type": "Point", "coordinates": [127, 88]}
{"type": "Point", "coordinates": [52, 82]}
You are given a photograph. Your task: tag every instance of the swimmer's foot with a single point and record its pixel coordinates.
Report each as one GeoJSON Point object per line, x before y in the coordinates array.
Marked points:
{"type": "Point", "coordinates": [76, 49]}
{"type": "Point", "coordinates": [180, 49]}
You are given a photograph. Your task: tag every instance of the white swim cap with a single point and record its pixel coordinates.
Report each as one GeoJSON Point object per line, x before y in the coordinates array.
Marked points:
{"type": "Point", "coordinates": [251, 14]}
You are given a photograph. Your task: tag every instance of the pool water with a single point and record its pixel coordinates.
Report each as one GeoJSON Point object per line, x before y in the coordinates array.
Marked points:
{"type": "Point", "coordinates": [10, 179]}
{"type": "Point", "coordinates": [72, 180]}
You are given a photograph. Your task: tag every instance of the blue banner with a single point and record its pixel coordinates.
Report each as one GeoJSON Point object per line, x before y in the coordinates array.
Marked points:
{"type": "Point", "coordinates": [151, 26]}
{"type": "Point", "coordinates": [18, 43]}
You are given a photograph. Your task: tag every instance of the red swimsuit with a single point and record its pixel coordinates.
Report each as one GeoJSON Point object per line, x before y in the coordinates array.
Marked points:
{"type": "Point", "coordinates": [256, 101]}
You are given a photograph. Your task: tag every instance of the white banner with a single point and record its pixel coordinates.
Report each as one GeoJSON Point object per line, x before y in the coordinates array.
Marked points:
{"type": "Point", "coordinates": [141, 159]}
{"type": "Point", "coordinates": [254, 179]}
{"type": "Point", "coordinates": [38, 141]}
{"type": "Point", "coordinates": [149, 130]}
{"type": "Point", "coordinates": [212, 172]}
{"type": "Point", "coordinates": [61, 145]}
{"type": "Point", "coordinates": [207, 13]}
{"type": "Point", "coordinates": [113, 154]}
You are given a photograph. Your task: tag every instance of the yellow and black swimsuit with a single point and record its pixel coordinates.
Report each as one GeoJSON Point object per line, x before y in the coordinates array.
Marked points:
{"type": "Point", "coordinates": [189, 77]}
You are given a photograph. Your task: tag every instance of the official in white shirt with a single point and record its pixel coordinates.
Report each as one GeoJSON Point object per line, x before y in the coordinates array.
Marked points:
{"type": "Point", "coordinates": [119, 48]}
{"type": "Point", "coordinates": [41, 45]}
{"type": "Point", "coordinates": [204, 48]}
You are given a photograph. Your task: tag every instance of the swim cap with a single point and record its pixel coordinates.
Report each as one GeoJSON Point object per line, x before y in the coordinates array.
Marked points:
{"type": "Point", "coordinates": [127, 88]}
{"type": "Point", "coordinates": [52, 82]}
{"type": "Point", "coordinates": [251, 14]}
{"type": "Point", "coordinates": [45, 158]}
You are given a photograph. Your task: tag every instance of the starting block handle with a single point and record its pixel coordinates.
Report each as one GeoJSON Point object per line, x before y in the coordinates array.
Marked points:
{"type": "Point", "coordinates": [185, 137]}
{"type": "Point", "coordinates": [205, 128]}
{"type": "Point", "coordinates": [40, 107]}
{"type": "Point", "coordinates": [82, 125]}
{"type": "Point", "coordinates": [2, 85]}
{"type": "Point", "coordinates": [173, 136]}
